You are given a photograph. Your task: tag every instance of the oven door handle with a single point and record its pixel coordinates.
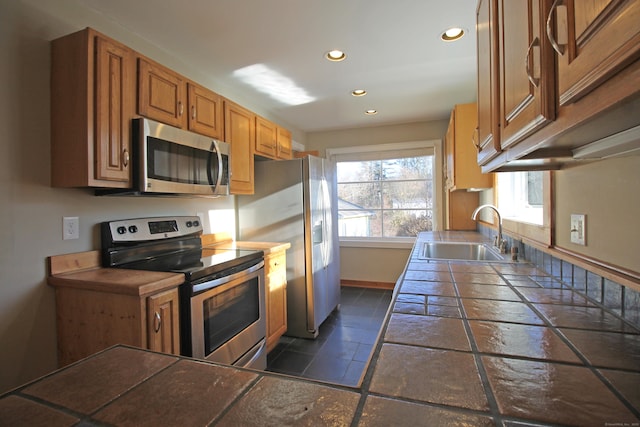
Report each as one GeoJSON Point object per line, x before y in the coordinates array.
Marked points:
{"type": "Point", "coordinates": [222, 280]}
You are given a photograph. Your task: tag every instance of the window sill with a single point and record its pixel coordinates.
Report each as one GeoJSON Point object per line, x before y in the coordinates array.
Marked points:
{"type": "Point", "coordinates": [378, 243]}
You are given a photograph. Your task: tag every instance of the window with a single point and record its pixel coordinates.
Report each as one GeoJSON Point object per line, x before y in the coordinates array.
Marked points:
{"type": "Point", "coordinates": [520, 196]}
{"type": "Point", "coordinates": [385, 193]}
{"type": "Point", "coordinates": [524, 200]}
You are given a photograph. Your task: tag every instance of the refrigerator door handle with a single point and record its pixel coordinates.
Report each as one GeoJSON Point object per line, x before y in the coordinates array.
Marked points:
{"type": "Point", "coordinates": [325, 240]}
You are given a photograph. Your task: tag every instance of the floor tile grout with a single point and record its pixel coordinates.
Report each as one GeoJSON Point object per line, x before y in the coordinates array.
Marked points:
{"type": "Point", "coordinates": [344, 337]}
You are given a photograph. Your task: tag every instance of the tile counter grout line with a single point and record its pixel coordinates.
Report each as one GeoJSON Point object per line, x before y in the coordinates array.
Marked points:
{"type": "Point", "coordinates": [491, 399]}
{"type": "Point", "coordinates": [570, 344]}
{"type": "Point", "coordinates": [235, 401]}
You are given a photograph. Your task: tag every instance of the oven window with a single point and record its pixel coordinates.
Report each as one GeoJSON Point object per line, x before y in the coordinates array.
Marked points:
{"type": "Point", "coordinates": [179, 163]}
{"type": "Point", "coordinates": [228, 313]}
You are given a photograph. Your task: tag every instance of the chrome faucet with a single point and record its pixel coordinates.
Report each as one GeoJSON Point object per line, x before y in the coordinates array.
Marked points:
{"type": "Point", "coordinates": [499, 242]}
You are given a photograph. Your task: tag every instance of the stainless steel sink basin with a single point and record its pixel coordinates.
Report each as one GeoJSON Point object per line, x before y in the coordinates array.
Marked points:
{"type": "Point", "coordinates": [460, 251]}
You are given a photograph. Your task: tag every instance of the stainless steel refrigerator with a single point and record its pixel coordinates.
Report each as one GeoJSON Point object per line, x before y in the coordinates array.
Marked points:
{"type": "Point", "coordinates": [293, 203]}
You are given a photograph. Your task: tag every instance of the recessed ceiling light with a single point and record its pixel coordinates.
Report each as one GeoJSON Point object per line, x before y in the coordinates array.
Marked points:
{"type": "Point", "coordinates": [336, 55]}
{"type": "Point", "coordinates": [452, 34]}
{"type": "Point", "coordinates": [359, 92]}
{"type": "Point", "coordinates": [371, 112]}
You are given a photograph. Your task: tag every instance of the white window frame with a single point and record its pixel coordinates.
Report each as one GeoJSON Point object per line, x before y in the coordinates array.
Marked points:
{"type": "Point", "coordinates": [540, 233]}
{"type": "Point", "coordinates": [431, 147]}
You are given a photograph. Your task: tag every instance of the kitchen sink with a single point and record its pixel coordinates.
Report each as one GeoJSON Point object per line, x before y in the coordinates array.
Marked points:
{"type": "Point", "coordinates": [461, 251]}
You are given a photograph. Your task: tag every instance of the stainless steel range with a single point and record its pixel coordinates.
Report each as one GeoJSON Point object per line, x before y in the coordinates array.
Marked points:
{"type": "Point", "coordinates": [222, 301]}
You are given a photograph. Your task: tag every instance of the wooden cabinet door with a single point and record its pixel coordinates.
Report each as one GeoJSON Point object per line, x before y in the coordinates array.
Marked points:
{"type": "Point", "coordinates": [276, 299]}
{"type": "Point", "coordinates": [283, 141]}
{"type": "Point", "coordinates": [527, 72]}
{"type": "Point", "coordinates": [163, 325]}
{"type": "Point", "coordinates": [114, 108]}
{"type": "Point", "coordinates": [161, 94]}
{"type": "Point", "coordinates": [265, 138]}
{"type": "Point", "coordinates": [240, 133]}
{"type": "Point", "coordinates": [594, 39]}
{"type": "Point", "coordinates": [463, 172]}
{"type": "Point", "coordinates": [449, 152]}
{"type": "Point", "coordinates": [93, 92]}
{"type": "Point", "coordinates": [205, 111]}
{"type": "Point", "coordinates": [488, 133]}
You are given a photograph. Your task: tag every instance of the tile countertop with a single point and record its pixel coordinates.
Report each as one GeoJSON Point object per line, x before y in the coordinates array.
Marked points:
{"type": "Point", "coordinates": [465, 343]}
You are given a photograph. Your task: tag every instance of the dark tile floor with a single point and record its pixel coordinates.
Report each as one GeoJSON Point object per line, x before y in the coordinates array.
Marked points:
{"type": "Point", "coordinates": [340, 353]}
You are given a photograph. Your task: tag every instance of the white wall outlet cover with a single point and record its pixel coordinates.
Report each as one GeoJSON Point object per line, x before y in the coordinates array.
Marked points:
{"type": "Point", "coordinates": [70, 228]}
{"type": "Point", "coordinates": [579, 229]}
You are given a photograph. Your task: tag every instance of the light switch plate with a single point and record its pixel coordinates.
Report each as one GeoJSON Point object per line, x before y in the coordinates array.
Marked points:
{"type": "Point", "coordinates": [579, 229]}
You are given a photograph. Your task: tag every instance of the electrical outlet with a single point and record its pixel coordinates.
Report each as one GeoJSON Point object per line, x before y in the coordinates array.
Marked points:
{"type": "Point", "coordinates": [70, 227]}
{"type": "Point", "coordinates": [579, 229]}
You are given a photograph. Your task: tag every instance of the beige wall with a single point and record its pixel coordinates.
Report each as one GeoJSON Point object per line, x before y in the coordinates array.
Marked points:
{"type": "Point", "coordinates": [372, 264]}
{"type": "Point", "coordinates": [419, 131]}
{"type": "Point", "coordinates": [608, 193]}
{"type": "Point", "coordinates": [30, 210]}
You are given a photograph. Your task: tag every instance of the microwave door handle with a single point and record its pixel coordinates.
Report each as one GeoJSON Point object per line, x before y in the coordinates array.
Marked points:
{"type": "Point", "coordinates": [214, 150]}
{"type": "Point", "coordinates": [220, 165]}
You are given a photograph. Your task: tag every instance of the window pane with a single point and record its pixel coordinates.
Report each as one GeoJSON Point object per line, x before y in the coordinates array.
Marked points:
{"type": "Point", "coordinates": [406, 223]}
{"type": "Point", "coordinates": [366, 195]}
{"type": "Point", "coordinates": [403, 195]}
{"type": "Point", "coordinates": [534, 188]}
{"type": "Point", "coordinates": [385, 198]}
{"type": "Point", "coordinates": [520, 196]}
{"type": "Point", "coordinates": [358, 171]}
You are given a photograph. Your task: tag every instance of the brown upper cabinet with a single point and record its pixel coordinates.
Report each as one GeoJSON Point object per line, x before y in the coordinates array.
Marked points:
{"type": "Point", "coordinates": [488, 131]}
{"type": "Point", "coordinates": [240, 133]}
{"type": "Point", "coordinates": [283, 144]}
{"type": "Point", "coordinates": [593, 40]}
{"type": "Point", "coordinates": [265, 138]}
{"type": "Point", "coordinates": [167, 97]}
{"type": "Point", "coordinates": [526, 86]}
{"type": "Point", "coordinates": [462, 170]}
{"type": "Point", "coordinates": [205, 111]}
{"type": "Point", "coordinates": [554, 76]}
{"type": "Point", "coordinates": [272, 141]}
{"type": "Point", "coordinates": [92, 104]}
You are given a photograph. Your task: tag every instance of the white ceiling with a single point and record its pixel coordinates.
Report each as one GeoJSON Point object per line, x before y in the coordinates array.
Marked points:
{"type": "Point", "coordinates": [393, 51]}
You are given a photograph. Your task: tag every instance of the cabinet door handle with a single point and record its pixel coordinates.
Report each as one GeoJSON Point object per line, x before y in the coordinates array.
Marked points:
{"type": "Point", "coordinates": [534, 80]}
{"type": "Point", "coordinates": [157, 322]}
{"type": "Point", "coordinates": [180, 108]}
{"type": "Point", "coordinates": [474, 139]}
{"type": "Point", "coordinates": [125, 158]}
{"type": "Point", "coordinates": [558, 47]}
{"type": "Point", "coordinates": [193, 112]}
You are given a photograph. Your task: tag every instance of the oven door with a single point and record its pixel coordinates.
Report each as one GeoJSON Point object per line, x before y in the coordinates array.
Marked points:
{"type": "Point", "coordinates": [228, 322]}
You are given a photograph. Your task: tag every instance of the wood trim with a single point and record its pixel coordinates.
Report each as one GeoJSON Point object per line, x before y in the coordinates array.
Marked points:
{"type": "Point", "coordinates": [367, 284]}
{"type": "Point", "coordinates": [67, 263]}
{"type": "Point", "coordinates": [216, 238]}
{"type": "Point", "coordinates": [301, 154]}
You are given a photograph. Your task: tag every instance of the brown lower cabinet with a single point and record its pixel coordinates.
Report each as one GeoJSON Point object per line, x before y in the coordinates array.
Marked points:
{"type": "Point", "coordinates": [275, 274]}
{"type": "Point", "coordinates": [99, 307]}
{"type": "Point", "coordinates": [90, 321]}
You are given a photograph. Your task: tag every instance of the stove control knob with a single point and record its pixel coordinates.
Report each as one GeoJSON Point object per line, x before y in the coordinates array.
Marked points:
{"type": "Point", "coordinates": [196, 223]}
{"type": "Point", "coordinates": [133, 229]}
{"type": "Point", "coordinates": [189, 224]}
{"type": "Point", "coordinates": [121, 230]}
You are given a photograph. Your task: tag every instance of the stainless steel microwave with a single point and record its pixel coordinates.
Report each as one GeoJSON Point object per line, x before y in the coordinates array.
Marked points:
{"type": "Point", "coordinates": [175, 162]}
